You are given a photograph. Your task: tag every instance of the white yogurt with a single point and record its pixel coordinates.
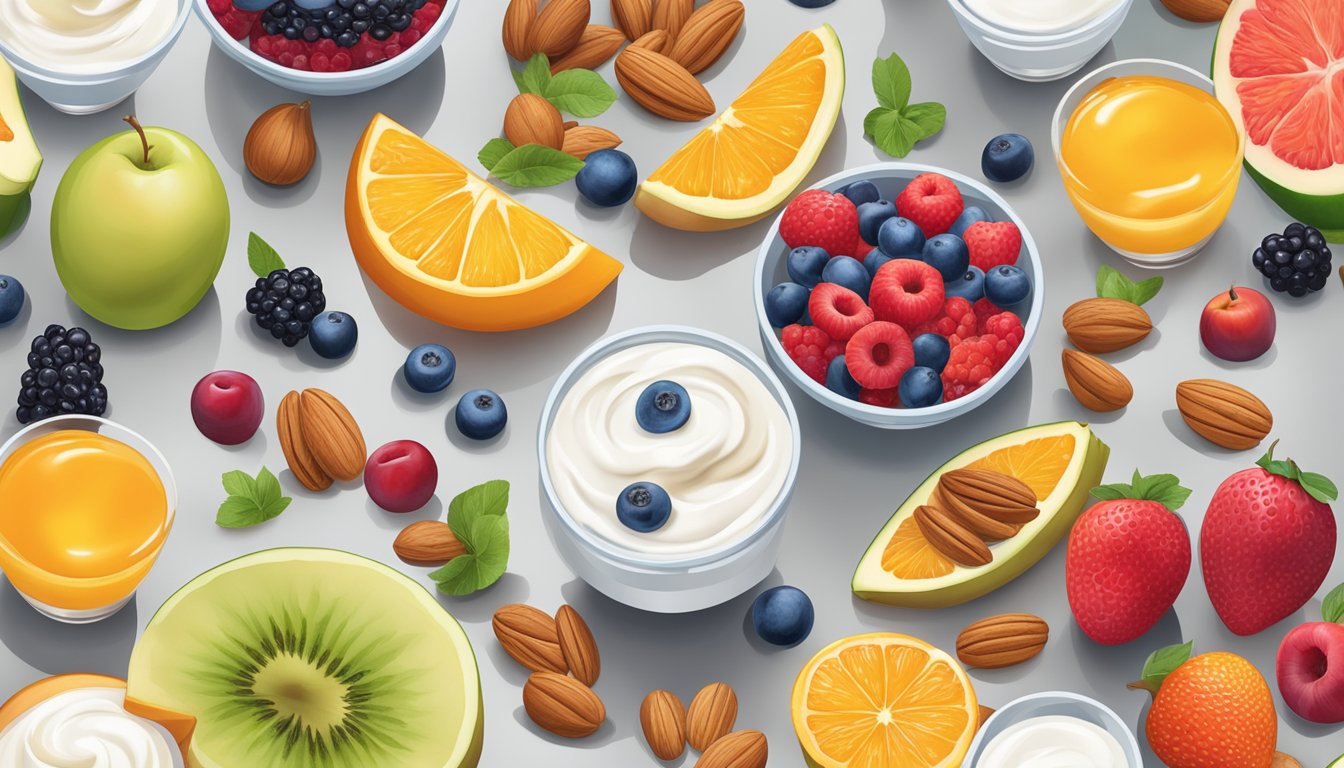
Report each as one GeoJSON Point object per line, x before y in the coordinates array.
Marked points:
{"type": "Point", "coordinates": [84, 728]}
{"type": "Point", "coordinates": [1055, 741]}
{"type": "Point", "coordinates": [1040, 16]}
{"type": "Point", "coordinates": [723, 469]}
{"type": "Point", "coordinates": [85, 36]}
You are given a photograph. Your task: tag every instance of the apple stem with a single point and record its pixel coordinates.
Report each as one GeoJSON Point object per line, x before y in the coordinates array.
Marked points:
{"type": "Point", "coordinates": [1232, 293]}
{"type": "Point", "coordinates": [144, 140]}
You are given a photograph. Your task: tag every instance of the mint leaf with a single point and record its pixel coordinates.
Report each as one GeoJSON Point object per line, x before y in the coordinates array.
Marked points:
{"type": "Point", "coordinates": [1111, 284]}
{"type": "Point", "coordinates": [580, 92]}
{"type": "Point", "coordinates": [239, 483]}
{"type": "Point", "coordinates": [494, 151]}
{"type": "Point", "coordinates": [486, 561]}
{"type": "Point", "coordinates": [534, 165]}
{"type": "Point", "coordinates": [1332, 610]}
{"type": "Point", "coordinates": [535, 77]}
{"type": "Point", "coordinates": [485, 500]}
{"type": "Point", "coordinates": [1164, 489]}
{"type": "Point", "coordinates": [250, 501]}
{"type": "Point", "coordinates": [1161, 663]}
{"type": "Point", "coordinates": [261, 257]}
{"type": "Point", "coordinates": [895, 124]}
{"type": "Point", "coordinates": [891, 82]}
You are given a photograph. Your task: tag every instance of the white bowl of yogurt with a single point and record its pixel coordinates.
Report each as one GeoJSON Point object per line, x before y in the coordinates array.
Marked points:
{"type": "Point", "coordinates": [1056, 729]}
{"type": "Point", "coordinates": [88, 56]}
{"type": "Point", "coordinates": [1040, 40]}
{"type": "Point", "coordinates": [729, 470]}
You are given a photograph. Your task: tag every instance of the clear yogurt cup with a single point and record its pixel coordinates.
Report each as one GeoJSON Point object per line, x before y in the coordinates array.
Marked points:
{"type": "Point", "coordinates": [1040, 56]}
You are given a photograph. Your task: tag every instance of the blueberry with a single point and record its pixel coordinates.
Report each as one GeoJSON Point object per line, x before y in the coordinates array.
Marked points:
{"type": "Point", "coordinates": [839, 381]}
{"type": "Point", "coordinates": [253, 6]}
{"type": "Point", "coordinates": [608, 178]}
{"type": "Point", "coordinates": [333, 335]}
{"type": "Point", "coordinates": [970, 286]}
{"type": "Point", "coordinates": [900, 237]}
{"type": "Point", "coordinates": [948, 255]}
{"type": "Point", "coordinates": [11, 298]}
{"type": "Point", "coordinates": [849, 272]}
{"type": "Point", "coordinates": [1007, 286]}
{"type": "Point", "coordinates": [970, 215]}
{"type": "Point", "coordinates": [811, 3]}
{"type": "Point", "coordinates": [920, 387]}
{"type": "Point", "coordinates": [874, 261]}
{"type": "Point", "coordinates": [931, 351]}
{"type": "Point", "coordinates": [805, 265]}
{"type": "Point", "coordinates": [871, 218]}
{"type": "Point", "coordinates": [481, 414]}
{"type": "Point", "coordinates": [785, 304]}
{"type": "Point", "coordinates": [663, 406]}
{"type": "Point", "coordinates": [1007, 157]}
{"type": "Point", "coordinates": [430, 368]}
{"type": "Point", "coordinates": [861, 192]}
{"type": "Point", "coordinates": [783, 616]}
{"type": "Point", "coordinates": [643, 507]}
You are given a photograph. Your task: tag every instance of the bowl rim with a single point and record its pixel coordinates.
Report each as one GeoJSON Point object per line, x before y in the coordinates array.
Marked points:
{"type": "Point", "coordinates": [23, 65]}
{"type": "Point", "coordinates": [929, 415]}
{"type": "Point", "coordinates": [649, 334]}
{"type": "Point", "coordinates": [1082, 32]}
{"type": "Point", "coordinates": [1130, 744]}
{"type": "Point", "coordinates": [260, 63]}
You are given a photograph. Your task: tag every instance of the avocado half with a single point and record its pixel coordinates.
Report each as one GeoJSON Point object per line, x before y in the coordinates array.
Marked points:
{"type": "Point", "coordinates": [20, 159]}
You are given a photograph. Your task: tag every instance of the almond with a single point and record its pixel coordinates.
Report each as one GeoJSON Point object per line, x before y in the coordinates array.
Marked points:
{"type": "Point", "coordinates": [331, 433]}
{"type": "Point", "coordinates": [531, 119]}
{"type": "Point", "coordinates": [1095, 383]}
{"type": "Point", "coordinates": [428, 542]}
{"type": "Point", "coordinates": [740, 749]}
{"type": "Point", "coordinates": [578, 646]}
{"type": "Point", "coordinates": [953, 540]}
{"type": "Point", "coordinates": [707, 34]}
{"type": "Point", "coordinates": [288, 423]}
{"type": "Point", "coordinates": [562, 705]}
{"type": "Point", "coordinates": [663, 718]}
{"type": "Point", "coordinates": [558, 27]}
{"type": "Point", "coordinates": [985, 714]}
{"type": "Point", "coordinates": [583, 140]}
{"type": "Point", "coordinates": [712, 715]}
{"type": "Point", "coordinates": [518, 20]}
{"type": "Point", "coordinates": [662, 86]}
{"type": "Point", "coordinates": [1105, 325]}
{"type": "Point", "coordinates": [1002, 641]}
{"type": "Point", "coordinates": [530, 637]}
{"type": "Point", "coordinates": [1199, 11]}
{"type": "Point", "coordinates": [1225, 415]}
{"type": "Point", "coordinates": [634, 17]}
{"type": "Point", "coordinates": [671, 15]}
{"type": "Point", "coordinates": [597, 44]}
{"type": "Point", "coordinates": [657, 40]}
{"type": "Point", "coordinates": [994, 494]}
{"type": "Point", "coordinates": [976, 522]}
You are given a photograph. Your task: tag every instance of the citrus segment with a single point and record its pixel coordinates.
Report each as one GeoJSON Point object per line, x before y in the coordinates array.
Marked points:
{"type": "Point", "coordinates": [909, 556]}
{"type": "Point", "coordinates": [1038, 463]}
{"type": "Point", "coordinates": [448, 245]}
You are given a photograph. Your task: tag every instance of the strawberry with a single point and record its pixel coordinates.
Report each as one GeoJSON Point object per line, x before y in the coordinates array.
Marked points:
{"type": "Point", "coordinates": [1128, 558]}
{"type": "Point", "coordinates": [932, 201]}
{"type": "Point", "coordinates": [823, 219]}
{"type": "Point", "coordinates": [1267, 543]}
{"type": "Point", "coordinates": [993, 243]}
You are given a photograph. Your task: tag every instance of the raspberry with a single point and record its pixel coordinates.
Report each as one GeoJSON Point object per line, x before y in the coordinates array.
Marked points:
{"type": "Point", "coordinates": [993, 243]}
{"type": "Point", "coordinates": [956, 322]}
{"type": "Point", "coordinates": [235, 22]}
{"type": "Point", "coordinates": [973, 362]}
{"type": "Point", "coordinates": [882, 398]}
{"type": "Point", "coordinates": [906, 292]}
{"type": "Point", "coordinates": [807, 346]}
{"type": "Point", "coordinates": [932, 201]}
{"type": "Point", "coordinates": [1008, 328]}
{"type": "Point", "coordinates": [878, 354]}
{"type": "Point", "coordinates": [984, 309]}
{"type": "Point", "coordinates": [838, 311]}
{"type": "Point", "coordinates": [821, 219]}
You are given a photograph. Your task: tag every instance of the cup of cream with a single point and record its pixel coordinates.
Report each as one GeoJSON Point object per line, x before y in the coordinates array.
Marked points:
{"type": "Point", "coordinates": [1056, 729]}
{"type": "Point", "coordinates": [1042, 39]}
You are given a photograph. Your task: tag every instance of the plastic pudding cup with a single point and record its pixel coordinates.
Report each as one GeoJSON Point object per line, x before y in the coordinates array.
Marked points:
{"type": "Point", "coordinates": [672, 583]}
{"type": "Point", "coordinates": [1055, 703]}
{"type": "Point", "coordinates": [83, 600]}
{"type": "Point", "coordinates": [1040, 56]}
{"type": "Point", "coordinates": [1148, 242]}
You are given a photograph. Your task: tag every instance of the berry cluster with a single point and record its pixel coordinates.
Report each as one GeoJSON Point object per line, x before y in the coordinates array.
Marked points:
{"type": "Point", "coordinates": [64, 376]}
{"type": "Point", "coordinates": [285, 303]}
{"type": "Point", "coordinates": [898, 303]}
{"type": "Point", "coordinates": [1296, 262]}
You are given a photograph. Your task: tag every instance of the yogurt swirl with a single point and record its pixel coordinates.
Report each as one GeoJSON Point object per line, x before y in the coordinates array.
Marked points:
{"type": "Point", "coordinates": [723, 469]}
{"type": "Point", "coordinates": [1053, 741]}
{"type": "Point", "coordinates": [1042, 16]}
{"type": "Point", "coordinates": [85, 36]}
{"type": "Point", "coordinates": [84, 728]}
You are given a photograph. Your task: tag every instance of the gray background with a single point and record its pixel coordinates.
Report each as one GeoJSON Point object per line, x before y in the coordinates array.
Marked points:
{"type": "Point", "coordinates": [852, 476]}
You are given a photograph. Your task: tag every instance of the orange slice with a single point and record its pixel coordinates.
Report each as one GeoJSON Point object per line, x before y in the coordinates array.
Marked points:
{"type": "Point", "coordinates": [884, 701]}
{"type": "Point", "coordinates": [446, 244]}
{"type": "Point", "coordinates": [744, 165]}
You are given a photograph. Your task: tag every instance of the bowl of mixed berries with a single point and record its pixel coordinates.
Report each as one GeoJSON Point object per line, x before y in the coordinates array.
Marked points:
{"type": "Point", "coordinates": [899, 295]}
{"type": "Point", "coordinates": [328, 47]}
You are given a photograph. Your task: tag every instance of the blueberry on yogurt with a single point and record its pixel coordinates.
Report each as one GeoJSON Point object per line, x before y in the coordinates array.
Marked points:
{"type": "Point", "coordinates": [643, 507]}
{"type": "Point", "coordinates": [663, 406]}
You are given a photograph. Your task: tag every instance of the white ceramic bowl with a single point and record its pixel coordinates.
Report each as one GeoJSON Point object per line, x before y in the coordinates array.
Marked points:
{"type": "Point", "coordinates": [1038, 57]}
{"type": "Point", "coordinates": [889, 178]}
{"type": "Point", "coordinates": [331, 83]}
{"type": "Point", "coordinates": [672, 584]}
{"type": "Point", "coordinates": [85, 93]}
{"type": "Point", "coordinates": [1056, 703]}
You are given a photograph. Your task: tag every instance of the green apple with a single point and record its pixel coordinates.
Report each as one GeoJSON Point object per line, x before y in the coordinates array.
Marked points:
{"type": "Point", "coordinates": [20, 159]}
{"type": "Point", "coordinates": [139, 227]}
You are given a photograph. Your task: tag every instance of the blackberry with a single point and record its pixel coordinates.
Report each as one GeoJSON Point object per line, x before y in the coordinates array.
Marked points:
{"type": "Point", "coordinates": [64, 376]}
{"type": "Point", "coordinates": [343, 21]}
{"type": "Point", "coordinates": [1296, 262]}
{"type": "Point", "coordinates": [286, 301]}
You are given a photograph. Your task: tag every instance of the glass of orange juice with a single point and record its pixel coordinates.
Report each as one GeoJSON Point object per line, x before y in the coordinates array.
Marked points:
{"type": "Point", "coordinates": [87, 505]}
{"type": "Point", "coordinates": [1149, 157]}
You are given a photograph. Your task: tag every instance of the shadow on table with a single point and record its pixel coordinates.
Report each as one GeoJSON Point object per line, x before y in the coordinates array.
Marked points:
{"type": "Point", "coordinates": [56, 648]}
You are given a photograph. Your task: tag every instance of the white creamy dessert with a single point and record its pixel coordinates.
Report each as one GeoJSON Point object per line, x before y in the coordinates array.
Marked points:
{"type": "Point", "coordinates": [85, 36]}
{"type": "Point", "coordinates": [1053, 741]}
{"type": "Point", "coordinates": [85, 728]}
{"type": "Point", "coordinates": [723, 469]}
{"type": "Point", "coordinates": [1040, 16]}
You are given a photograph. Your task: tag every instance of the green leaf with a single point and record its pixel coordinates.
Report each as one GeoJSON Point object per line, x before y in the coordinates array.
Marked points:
{"type": "Point", "coordinates": [487, 499]}
{"type": "Point", "coordinates": [534, 165]}
{"type": "Point", "coordinates": [239, 483]}
{"type": "Point", "coordinates": [1164, 489]}
{"type": "Point", "coordinates": [1112, 284]}
{"type": "Point", "coordinates": [483, 565]}
{"type": "Point", "coordinates": [580, 92]}
{"type": "Point", "coordinates": [494, 151]}
{"type": "Point", "coordinates": [891, 82]}
{"type": "Point", "coordinates": [250, 501]}
{"type": "Point", "coordinates": [1161, 663]}
{"type": "Point", "coordinates": [535, 77]}
{"type": "Point", "coordinates": [1319, 487]}
{"type": "Point", "coordinates": [896, 132]}
{"type": "Point", "coordinates": [930, 116]}
{"type": "Point", "coordinates": [261, 257]}
{"type": "Point", "coordinates": [268, 488]}
{"type": "Point", "coordinates": [1332, 610]}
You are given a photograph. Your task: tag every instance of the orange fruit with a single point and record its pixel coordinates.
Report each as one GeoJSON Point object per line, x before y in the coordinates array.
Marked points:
{"type": "Point", "coordinates": [1214, 711]}
{"type": "Point", "coordinates": [884, 701]}
{"type": "Point", "coordinates": [744, 165]}
{"type": "Point", "coordinates": [446, 244]}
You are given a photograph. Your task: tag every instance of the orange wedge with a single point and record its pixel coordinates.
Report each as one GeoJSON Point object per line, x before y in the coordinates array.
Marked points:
{"type": "Point", "coordinates": [446, 244]}
{"type": "Point", "coordinates": [884, 701]}
{"type": "Point", "coordinates": [748, 162]}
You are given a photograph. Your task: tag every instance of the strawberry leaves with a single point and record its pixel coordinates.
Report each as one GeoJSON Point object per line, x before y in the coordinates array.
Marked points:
{"type": "Point", "coordinates": [1161, 663]}
{"type": "Point", "coordinates": [1111, 284]}
{"type": "Point", "coordinates": [1164, 489]}
{"type": "Point", "coordinates": [1319, 487]}
{"type": "Point", "coordinates": [1332, 610]}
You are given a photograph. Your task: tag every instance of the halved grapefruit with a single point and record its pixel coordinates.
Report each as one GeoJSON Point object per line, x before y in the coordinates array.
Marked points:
{"type": "Point", "coordinates": [1278, 67]}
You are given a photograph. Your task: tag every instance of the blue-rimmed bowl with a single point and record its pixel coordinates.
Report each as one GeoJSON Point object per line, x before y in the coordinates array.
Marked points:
{"type": "Point", "coordinates": [1056, 703]}
{"type": "Point", "coordinates": [890, 178]}
{"type": "Point", "coordinates": [1041, 56]}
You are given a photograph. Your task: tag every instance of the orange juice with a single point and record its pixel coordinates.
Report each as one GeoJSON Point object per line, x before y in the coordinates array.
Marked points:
{"type": "Point", "coordinates": [83, 518]}
{"type": "Point", "coordinates": [1150, 163]}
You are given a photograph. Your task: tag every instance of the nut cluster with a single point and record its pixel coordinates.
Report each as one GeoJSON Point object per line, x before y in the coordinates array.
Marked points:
{"type": "Point", "coordinates": [707, 726]}
{"type": "Point", "coordinates": [562, 654]}
{"type": "Point", "coordinates": [320, 439]}
{"type": "Point", "coordinates": [970, 508]}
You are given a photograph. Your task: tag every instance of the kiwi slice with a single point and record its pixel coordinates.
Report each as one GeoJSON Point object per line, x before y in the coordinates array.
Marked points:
{"type": "Point", "coordinates": [312, 658]}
